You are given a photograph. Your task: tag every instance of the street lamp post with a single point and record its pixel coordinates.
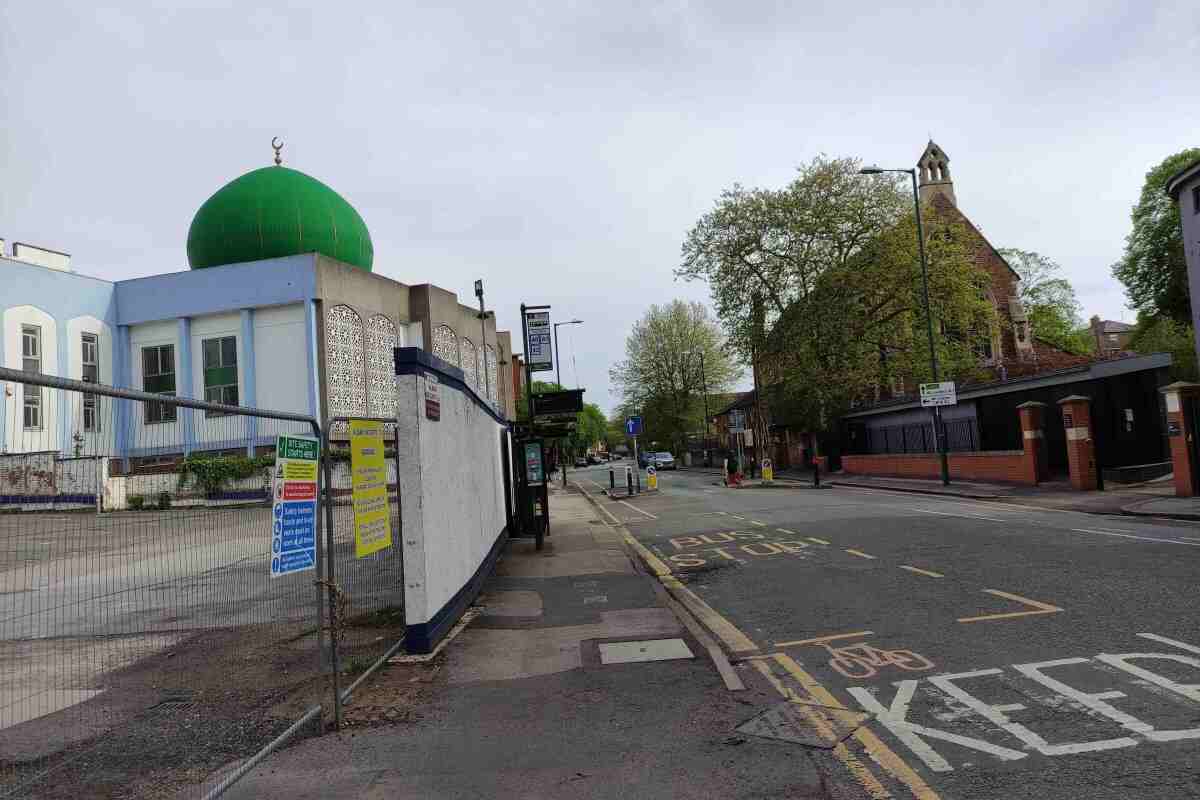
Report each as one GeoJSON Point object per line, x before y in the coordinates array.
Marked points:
{"type": "Point", "coordinates": [483, 342]}
{"type": "Point", "coordinates": [557, 354]}
{"type": "Point", "coordinates": [704, 388]}
{"type": "Point", "coordinates": [938, 429]}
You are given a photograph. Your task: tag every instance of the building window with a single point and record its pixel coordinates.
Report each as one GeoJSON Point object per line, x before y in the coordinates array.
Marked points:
{"type": "Point", "coordinates": [1113, 338]}
{"type": "Point", "coordinates": [220, 373]}
{"type": "Point", "coordinates": [31, 362]}
{"type": "Point", "coordinates": [90, 373]}
{"type": "Point", "coordinates": [1196, 199]}
{"type": "Point", "coordinates": [158, 376]}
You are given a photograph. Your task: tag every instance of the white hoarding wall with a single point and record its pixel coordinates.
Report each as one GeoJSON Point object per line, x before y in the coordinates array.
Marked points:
{"type": "Point", "coordinates": [451, 478]}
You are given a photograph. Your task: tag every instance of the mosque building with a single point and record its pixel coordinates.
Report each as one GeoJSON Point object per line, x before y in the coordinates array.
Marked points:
{"type": "Point", "coordinates": [279, 310]}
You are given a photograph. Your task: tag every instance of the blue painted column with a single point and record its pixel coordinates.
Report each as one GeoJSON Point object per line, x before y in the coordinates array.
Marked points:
{"type": "Point", "coordinates": [66, 400]}
{"type": "Point", "coordinates": [123, 377]}
{"type": "Point", "coordinates": [310, 341]}
{"type": "Point", "coordinates": [249, 380]}
{"type": "Point", "coordinates": [183, 383]}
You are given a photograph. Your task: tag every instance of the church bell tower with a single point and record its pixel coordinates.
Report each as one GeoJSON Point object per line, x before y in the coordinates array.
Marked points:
{"type": "Point", "coordinates": [933, 172]}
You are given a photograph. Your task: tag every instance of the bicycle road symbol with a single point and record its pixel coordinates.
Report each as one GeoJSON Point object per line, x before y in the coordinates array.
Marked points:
{"type": "Point", "coordinates": [859, 661]}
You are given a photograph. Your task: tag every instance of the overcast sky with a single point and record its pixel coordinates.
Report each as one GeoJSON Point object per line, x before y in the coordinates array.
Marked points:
{"type": "Point", "coordinates": [561, 150]}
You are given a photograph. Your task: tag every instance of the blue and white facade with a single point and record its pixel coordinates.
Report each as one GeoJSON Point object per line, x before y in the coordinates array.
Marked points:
{"type": "Point", "coordinates": [302, 334]}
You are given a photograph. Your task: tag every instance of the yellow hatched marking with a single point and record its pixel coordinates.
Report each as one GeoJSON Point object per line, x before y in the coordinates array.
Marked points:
{"type": "Point", "coordinates": [920, 571]}
{"type": "Point", "coordinates": [1039, 608]}
{"type": "Point", "coordinates": [861, 772]}
{"type": "Point", "coordinates": [859, 553]}
{"type": "Point", "coordinates": [815, 539]}
{"type": "Point", "coordinates": [823, 639]}
{"type": "Point", "coordinates": [880, 752]}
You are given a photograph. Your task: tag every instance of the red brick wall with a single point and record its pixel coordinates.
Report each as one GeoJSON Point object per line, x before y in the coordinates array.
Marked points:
{"type": "Point", "coordinates": [1004, 466]}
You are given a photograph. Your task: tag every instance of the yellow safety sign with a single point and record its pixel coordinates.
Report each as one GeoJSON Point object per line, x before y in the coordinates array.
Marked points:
{"type": "Point", "coordinates": [368, 471]}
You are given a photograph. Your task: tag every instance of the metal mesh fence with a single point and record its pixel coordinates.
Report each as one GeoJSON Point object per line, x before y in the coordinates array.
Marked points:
{"type": "Point", "coordinates": [144, 643]}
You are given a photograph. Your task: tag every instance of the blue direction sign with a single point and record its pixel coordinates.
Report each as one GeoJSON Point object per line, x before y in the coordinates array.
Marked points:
{"type": "Point", "coordinates": [633, 426]}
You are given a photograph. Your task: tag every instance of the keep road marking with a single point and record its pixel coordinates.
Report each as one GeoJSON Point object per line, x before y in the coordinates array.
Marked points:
{"type": "Point", "coordinates": [920, 571]}
{"type": "Point", "coordinates": [1039, 608]}
{"type": "Point", "coordinates": [859, 553]}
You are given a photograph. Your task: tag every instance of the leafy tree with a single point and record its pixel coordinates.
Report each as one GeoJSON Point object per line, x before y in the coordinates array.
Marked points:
{"type": "Point", "coordinates": [1050, 302]}
{"type": "Point", "coordinates": [1153, 267]}
{"type": "Point", "coordinates": [660, 376]}
{"type": "Point", "coordinates": [1161, 334]}
{"type": "Point", "coordinates": [590, 428]}
{"type": "Point", "coordinates": [820, 283]}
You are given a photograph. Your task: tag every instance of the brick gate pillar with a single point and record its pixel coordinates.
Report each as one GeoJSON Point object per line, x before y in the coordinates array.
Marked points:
{"type": "Point", "coordinates": [1181, 435]}
{"type": "Point", "coordinates": [1081, 447]}
{"type": "Point", "coordinates": [1033, 437]}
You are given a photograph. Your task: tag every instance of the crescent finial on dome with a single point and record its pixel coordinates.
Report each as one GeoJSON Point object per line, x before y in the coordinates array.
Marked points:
{"type": "Point", "coordinates": [277, 145]}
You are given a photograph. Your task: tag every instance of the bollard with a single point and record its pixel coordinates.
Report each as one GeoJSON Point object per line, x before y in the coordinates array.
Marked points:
{"type": "Point", "coordinates": [612, 478]}
{"type": "Point", "coordinates": [816, 474]}
{"type": "Point", "coordinates": [629, 480]}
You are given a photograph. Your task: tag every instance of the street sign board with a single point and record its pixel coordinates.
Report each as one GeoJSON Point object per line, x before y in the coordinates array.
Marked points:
{"type": "Point", "coordinates": [938, 394]}
{"type": "Point", "coordinates": [633, 426]}
{"type": "Point", "coordinates": [554, 429]}
{"type": "Point", "coordinates": [369, 495]}
{"type": "Point", "coordinates": [294, 507]}
{"type": "Point", "coordinates": [539, 352]}
{"type": "Point", "coordinates": [433, 397]}
{"type": "Point", "coordinates": [567, 403]}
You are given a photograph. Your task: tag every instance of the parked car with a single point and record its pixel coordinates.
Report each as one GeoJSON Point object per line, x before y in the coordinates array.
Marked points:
{"type": "Point", "coordinates": [593, 459]}
{"type": "Point", "coordinates": [581, 462]}
{"type": "Point", "coordinates": [664, 461]}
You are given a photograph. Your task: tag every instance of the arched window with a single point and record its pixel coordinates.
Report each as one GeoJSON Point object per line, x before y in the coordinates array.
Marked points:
{"type": "Point", "coordinates": [470, 363]}
{"type": "Point", "coordinates": [381, 367]}
{"type": "Point", "coordinates": [445, 344]}
{"type": "Point", "coordinates": [344, 362]}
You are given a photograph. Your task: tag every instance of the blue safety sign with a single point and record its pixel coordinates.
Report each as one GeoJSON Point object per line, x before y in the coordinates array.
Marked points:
{"type": "Point", "coordinates": [633, 426]}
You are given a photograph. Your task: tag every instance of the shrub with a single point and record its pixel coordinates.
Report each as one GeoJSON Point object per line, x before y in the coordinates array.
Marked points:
{"type": "Point", "coordinates": [164, 500]}
{"type": "Point", "coordinates": [136, 502]}
{"type": "Point", "coordinates": [211, 472]}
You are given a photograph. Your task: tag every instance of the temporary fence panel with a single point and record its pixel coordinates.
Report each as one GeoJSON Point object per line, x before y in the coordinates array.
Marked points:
{"type": "Point", "coordinates": [365, 581]}
{"type": "Point", "coordinates": [147, 639]}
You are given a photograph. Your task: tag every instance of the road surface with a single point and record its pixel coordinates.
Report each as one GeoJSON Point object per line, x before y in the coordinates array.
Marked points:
{"type": "Point", "coordinates": [984, 650]}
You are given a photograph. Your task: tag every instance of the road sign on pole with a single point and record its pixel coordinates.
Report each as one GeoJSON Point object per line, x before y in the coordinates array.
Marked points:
{"type": "Point", "coordinates": [938, 394]}
{"type": "Point", "coordinates": [633, 426]}
{"type": "Point", "coordinates": [539, 353]}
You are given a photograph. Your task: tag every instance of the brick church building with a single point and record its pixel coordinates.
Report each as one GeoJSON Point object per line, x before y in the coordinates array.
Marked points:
{"type": "Point", "coordinates": [1016, 367]}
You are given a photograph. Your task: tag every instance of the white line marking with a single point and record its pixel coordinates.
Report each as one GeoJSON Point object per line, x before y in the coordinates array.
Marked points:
{"type": "Point", "coordinates": [1172, 642]}
{"type": "Point", "coordinates": [785, 530]}
{"type": "Point", "coordinates": [635, 508]}
{"type": "Point", "coordinates": [961, 516]}
{"type": "Point", "coordinates": [1140, 538]}
{"type": "Point", "coordinates": [1190, 538]}
{"type": "Point", "coordinates": [759, 524]}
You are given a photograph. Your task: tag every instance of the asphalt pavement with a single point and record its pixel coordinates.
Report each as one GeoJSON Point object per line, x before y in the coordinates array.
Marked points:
{"type": "Point", "coordinates": [990, 650]}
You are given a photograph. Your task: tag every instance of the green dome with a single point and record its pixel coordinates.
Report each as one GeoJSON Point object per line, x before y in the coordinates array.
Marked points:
{"type": "Point", "coordinates": [274, 212]}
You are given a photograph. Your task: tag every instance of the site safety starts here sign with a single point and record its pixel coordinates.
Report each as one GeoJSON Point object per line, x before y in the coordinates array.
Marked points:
{"type": "Point", "coordinates": [294, 507]}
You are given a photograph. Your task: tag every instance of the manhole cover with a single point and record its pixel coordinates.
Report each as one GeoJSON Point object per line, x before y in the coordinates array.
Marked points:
{"type": "Point", "coordinates": [650, 650]}
{"type": "Point", "coordinates": [809, 725]}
